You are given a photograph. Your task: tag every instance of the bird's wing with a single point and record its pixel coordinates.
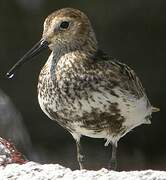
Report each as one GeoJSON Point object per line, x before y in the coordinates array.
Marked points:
{"type": "Point", "coordinates": [119, 74]}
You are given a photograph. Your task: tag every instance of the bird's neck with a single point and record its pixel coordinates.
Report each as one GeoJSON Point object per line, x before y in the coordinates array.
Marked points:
{"type": "Point", "coordinates": [88, 47]}
{"type": "Point", "coordinates": [68, 56]}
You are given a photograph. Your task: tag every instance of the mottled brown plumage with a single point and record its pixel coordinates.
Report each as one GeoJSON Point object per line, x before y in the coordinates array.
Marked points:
{"type": "Point", "coordinates": [84, 90]}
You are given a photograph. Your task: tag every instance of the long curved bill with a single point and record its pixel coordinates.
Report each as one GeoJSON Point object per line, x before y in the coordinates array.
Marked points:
{"type": "Point", "coordinates": [36, 49]}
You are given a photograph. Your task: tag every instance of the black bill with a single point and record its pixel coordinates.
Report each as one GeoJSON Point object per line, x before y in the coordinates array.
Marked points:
{"type": "Point", "coordinates": [36, 49]}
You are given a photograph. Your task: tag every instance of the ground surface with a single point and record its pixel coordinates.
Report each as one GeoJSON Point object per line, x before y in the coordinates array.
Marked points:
{"type": "Point", "coordinates": [35, 171]}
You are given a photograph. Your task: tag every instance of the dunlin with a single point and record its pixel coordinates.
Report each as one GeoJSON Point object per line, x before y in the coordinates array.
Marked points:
{"type": "Point", "coordinates": [81, 88]}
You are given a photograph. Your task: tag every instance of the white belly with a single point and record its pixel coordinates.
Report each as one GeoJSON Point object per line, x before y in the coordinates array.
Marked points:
{"type": "Point", "coordinates": [133, 110]}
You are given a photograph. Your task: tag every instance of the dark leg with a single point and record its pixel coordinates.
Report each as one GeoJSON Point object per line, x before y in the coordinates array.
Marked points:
{"type": "Point", "coordinates": [113, 162]}
{"type": "Point", "coordinates": [80, 155]}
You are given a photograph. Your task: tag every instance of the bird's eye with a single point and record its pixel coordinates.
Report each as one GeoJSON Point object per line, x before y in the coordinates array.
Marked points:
{"type": "Point", "coordinates": [64, 25]}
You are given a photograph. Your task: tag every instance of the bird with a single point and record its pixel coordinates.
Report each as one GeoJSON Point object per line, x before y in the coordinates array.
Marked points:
{"type": "Point", "coordinates": [86, 91]}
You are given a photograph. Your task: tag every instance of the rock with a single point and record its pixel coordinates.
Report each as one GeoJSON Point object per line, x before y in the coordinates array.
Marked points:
{"type": "Point", "coordinates": [35, 171]}
{"type": "Point", "coordinates": [9, 154]}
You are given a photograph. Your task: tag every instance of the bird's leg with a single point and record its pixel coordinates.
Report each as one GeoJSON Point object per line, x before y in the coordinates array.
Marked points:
{"type": "Point", "coordinates": [113, 161]}
{"type": "Point", "coordinates": [80, 155]}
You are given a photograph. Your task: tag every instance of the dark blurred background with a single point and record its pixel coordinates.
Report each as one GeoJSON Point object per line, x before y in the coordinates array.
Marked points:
{"type": "Point", "coordinates": [133, 31]}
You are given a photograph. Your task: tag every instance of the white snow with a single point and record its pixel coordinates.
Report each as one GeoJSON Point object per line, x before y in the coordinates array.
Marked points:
{"type": "Point", "coordinates": [35, 171]}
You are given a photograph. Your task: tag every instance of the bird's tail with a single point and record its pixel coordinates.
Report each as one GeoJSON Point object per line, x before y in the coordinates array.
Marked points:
{"type": "Point", "coordinates": [155, 109]}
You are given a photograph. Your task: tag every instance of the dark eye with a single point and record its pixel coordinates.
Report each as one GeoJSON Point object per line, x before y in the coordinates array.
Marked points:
{"type": "Point", "coordinates": [64, 25]}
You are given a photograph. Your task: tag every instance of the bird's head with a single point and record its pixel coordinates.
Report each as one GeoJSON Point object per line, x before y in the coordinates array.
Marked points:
{"type": "Point", "coordinates": [65, 30]}
{"type": "Point", "coordinates": [69, 29]}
